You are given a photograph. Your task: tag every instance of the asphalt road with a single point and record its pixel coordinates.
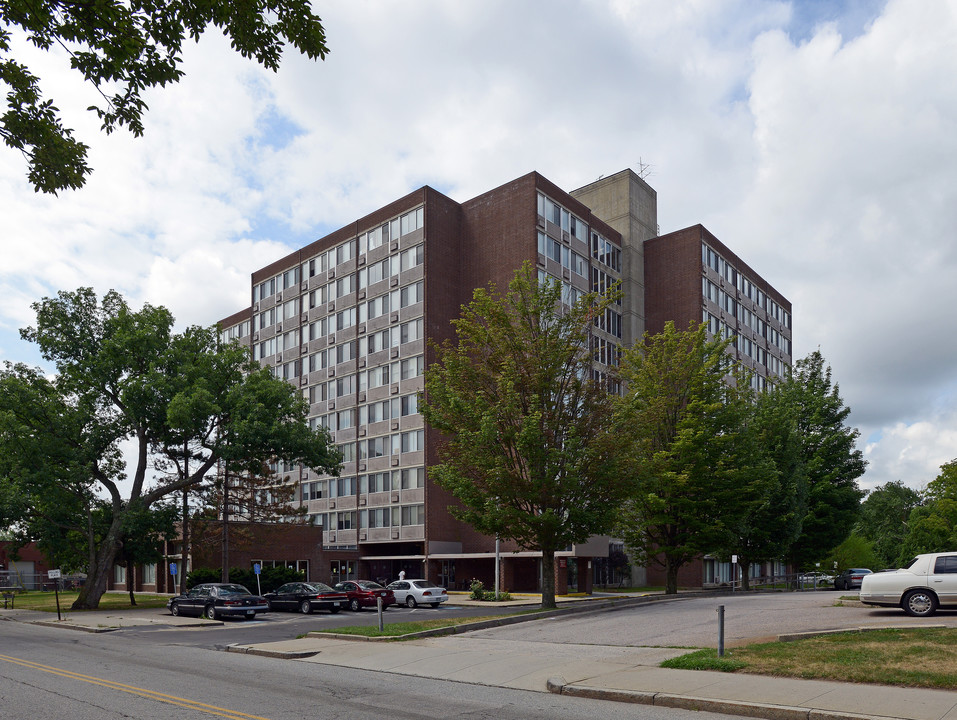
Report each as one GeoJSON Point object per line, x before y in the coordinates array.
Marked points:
{"type": "Point", "coordinates": [691, 621]}
{"type": "Point", "coordinates": [52, 673]}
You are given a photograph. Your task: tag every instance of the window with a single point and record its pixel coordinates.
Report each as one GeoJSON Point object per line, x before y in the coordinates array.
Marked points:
{"type": "Point", "coordinates": [375, 518]}
{"type": "Point", "coordinates": [317, 361]}
{"type": "Point", "coordinates": [410, 331]}
{"type": "Point", "coordinates": [342, 386]}
{"type": "Point", "coordinates": [266, 289]}
{"type": "Point", "coordinates": [412, 221]}
{"type": "Point", "coordinates": [411, 294]}
{"type": "Point", "coordinates": [375, 342]}
{"type": "Point", "coordinates": [408, 441]}
{"type": "Point", "coordinates": [348, 452]}
{"type": "Point", "coordinates": [409, 405]}
{"type": "Point", "coordinates": [413, 515]}
{"type": "Point", "coordinates": [374, 273]}
{"type": "Point", "coordinates": [319, 296]}
{"type": "Point", "coordinates": [345, 252]}
{"type": "Point", "coordinates": [346, 285]}
{"type": "Point", "coordinates": [346, 520]}
{"type": "Point", "coordinates": [290, 340]}
{"type": "Point", "coordinates": [374, 412]}
{"type": "Point", "coordinates": [342, 486]}
{"type": "Point", "coordinates": [412, 367]}
{"type": "Point", "coordinates": [290, 278]}
{"type": "Point", "coordinates": [290, 309]}
{"type": "Point", "coordinates": [412, 478]}
{"type": "Point", "coordinates": [374, 448]}
{"type": "Point", "coordinates": [313, 490]}
{"type": "Point", "coordinates": [318, 329]}
{"type": "Point", "coordinates": [149, 574]}
{"type": "Point", "coordinates": [345, 318]}
{"type": "Point", "coordinates": [346, 419]}
{"type": "Point", "coordinates": [377, 237]}
{"type": "Point", "coordinates": [375, 482]}
{"type": "Point", "coordinates": [411, 258]}
{"type": "Point", "coordinates": [378, 376]}
{"type": "Point", "coordinates": [119, 574]}
{"type": "Point", "coordinates": [346, 351]}
{"type": "Point", "coordinates": [378, 306]}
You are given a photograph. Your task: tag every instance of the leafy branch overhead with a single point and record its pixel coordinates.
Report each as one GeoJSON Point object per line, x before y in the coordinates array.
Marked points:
{"type": "Point", "coordinates": [125, 49]}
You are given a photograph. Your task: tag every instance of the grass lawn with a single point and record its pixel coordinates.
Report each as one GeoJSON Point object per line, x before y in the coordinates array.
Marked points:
{"type": "Point", "coordinates": [909, 657]}
{"type": "Point", "coordinates": [46, 601]}
{"type": "Point", "coordinates": [397, 630]}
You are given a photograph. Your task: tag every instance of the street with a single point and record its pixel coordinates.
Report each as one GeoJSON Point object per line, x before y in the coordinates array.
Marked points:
{"type": "Point", "coordinates": [49, 673]}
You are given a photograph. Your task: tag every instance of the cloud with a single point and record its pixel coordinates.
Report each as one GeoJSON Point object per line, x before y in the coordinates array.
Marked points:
{"type": "Point", "coordinates": [817, 140]}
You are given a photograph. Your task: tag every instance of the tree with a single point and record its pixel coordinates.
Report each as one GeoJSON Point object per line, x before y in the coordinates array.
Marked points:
{"type": "Point", "coordinates": [855, 552]}
{"type": "Point", "coordinates": [883, 520]}
{"type": "Point", "coordinates": [932, 525]}
{"type": "Point", "coordinates": [177, 397]}
{"type": "Point", "coordinates": [831, 461]}
{"type": "Point", "coordinates": [693, 460]}
{"type": "Point", "coordinates": [126, 48]}
{"type": "Point", "coordinates": [774, 523]}
{"type": "Point", "coordinates": [528, 452]}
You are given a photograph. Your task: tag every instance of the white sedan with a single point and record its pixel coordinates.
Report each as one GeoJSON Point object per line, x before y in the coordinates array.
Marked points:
{"type": "Point", "coordinates": [926, 583]}
{"type": "Point", "coordinates": [413, 592]}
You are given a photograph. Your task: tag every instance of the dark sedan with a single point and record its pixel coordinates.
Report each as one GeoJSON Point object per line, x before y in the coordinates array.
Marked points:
{"type": "Point", "coordinates": [215, 600]}
{"type": "Point", "coordinates": [365, 593]}
{"type": "Point", "coordinates": [850, 578]}
{"type": "Point", "coordinates": [306, 597]}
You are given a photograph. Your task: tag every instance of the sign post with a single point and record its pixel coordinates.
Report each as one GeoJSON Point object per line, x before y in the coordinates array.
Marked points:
{"type": "Point", "coordinates": [257, 569]}
{"type": "Point", "coordinates": [54, 575]}
{"type": "Point", "coordinates": [172, 571]}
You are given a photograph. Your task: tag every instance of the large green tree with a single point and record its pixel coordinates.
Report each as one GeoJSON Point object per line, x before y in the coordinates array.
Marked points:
{"type": "Point", "coordinates": [932, 525]}
{"type": "Point", "coordinates": [125, 49]}
{"type": "Point", "coordinates": [883, 520]}
{"type": "Point", "coordinates": [774, 522]}
{"type": "Point", "coordinates": [831, 460]}
{"type": "Point", "coordinates": [528, 451]}
{"type": "Point", "coordinates": [695, 466]}
{"type": "Point", "coordinates": [182, 401]}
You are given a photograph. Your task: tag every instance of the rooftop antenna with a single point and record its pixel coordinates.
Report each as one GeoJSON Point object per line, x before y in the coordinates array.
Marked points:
{"type": "Point", "coordinates": [644, 169]}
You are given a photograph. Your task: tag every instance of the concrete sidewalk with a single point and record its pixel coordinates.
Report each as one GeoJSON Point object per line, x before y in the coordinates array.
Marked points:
{"type": "Point", "coordinates": [623, 674]}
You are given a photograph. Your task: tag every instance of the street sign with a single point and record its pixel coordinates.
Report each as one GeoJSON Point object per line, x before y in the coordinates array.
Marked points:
{"type": "Point", "coordinates": [53, 574]}
{"type": "Point", "coordinates": [172, 568]}
{"type": "Point", "coordinates": [257, 568]}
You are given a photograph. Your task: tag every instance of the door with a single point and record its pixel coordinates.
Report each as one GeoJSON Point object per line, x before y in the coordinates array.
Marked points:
{"type": "Point", "coordinates": [943, 581]}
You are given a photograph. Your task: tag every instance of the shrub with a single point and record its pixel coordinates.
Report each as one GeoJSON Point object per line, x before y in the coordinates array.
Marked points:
{"type": "Point", "coordinates": [202, 575]}
{"type": "Point", "coordinates": [478, 590]}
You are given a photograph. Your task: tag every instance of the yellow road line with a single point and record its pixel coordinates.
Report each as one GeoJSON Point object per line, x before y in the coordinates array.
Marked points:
{"type": "Point", "coordinates": [132, 689]}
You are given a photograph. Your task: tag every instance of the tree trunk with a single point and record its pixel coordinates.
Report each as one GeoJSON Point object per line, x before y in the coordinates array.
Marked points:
{"type": "Point", "coordinates": [745, 574]}
{"type": "Point", "coordinates": [671, 576]}
{"type": "Point", "coordinates": [548, 579]}
{"type": "Point", "coordinates": [101, 566]}
{"type": "Point", "coordinates": [130, 579]}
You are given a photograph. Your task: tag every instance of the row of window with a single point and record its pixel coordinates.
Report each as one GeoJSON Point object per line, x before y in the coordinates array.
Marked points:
{"type": "Point", "coordinates": [367, 414]}
{"type": "Point", "coordinates": [757, 353]}
{"type": "Point", "coordinates": [366, 379]}
{"type": "Point", "coordinates": [569, 259]}
{"type": "Point", "coordinates": [556, 214]}
{"type": "Point", "coordinates": [344, 252]}
{"type": "Point", "coordinates": [344, 352]}
{"type": "Point", "coordinates": [602, 250]}
{"type": "Point", "coordinates": [404, 479]}
{"type": "Point", "coordinates": [402, 516]}
{"type": "Point", "coordinates": [390, 445]}
{"type": "Point", "coordinates": [710, 258]}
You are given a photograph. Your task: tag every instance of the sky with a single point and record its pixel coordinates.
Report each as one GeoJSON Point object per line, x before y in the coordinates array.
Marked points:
{"type": "Point", "coordinates": [816, 139]}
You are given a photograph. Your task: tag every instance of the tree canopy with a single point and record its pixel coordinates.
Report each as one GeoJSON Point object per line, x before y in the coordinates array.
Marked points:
{"type": "Point", "coordinates": [883, 520]}
{"type": "Point", "coordinates": [831, 461]}
{"type": "Point", "coordinates": [528, 453]}
{"type": "Point", "coordinates": [124, 49]}
{"type": "Point", "coordinates": [695, 466]}
{"type": "Point", "coordinates": [185, 402]}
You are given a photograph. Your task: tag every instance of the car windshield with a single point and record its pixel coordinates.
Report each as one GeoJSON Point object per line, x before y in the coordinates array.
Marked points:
{"type": "Point", "coordinates": [320, 587]}
{"type": "Point", "coordinates": [232, 590]}
{"type": "Point", "coordinates": [369, 585]}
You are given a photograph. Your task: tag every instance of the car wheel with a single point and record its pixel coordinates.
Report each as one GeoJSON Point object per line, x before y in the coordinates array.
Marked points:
{"type": "Point", "coordinates": [354, 605]}
{"type": "Point", "coordinates": [174, 610]}
{"type": "Point", "coordinates": [410, 602]}
{"type": "Point", "coordinates": [305, 607]}
{"type": "Point", "coordinates": [251, 616]}
{"type": "Point", "coordinates": [920, 603]}
{"type": "Point", "coordinates": [209, 613]}
{"type": "Point", "coordinates": [334, 609]}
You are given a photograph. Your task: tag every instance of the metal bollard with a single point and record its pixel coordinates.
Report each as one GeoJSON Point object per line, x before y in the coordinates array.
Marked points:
{"type": "Point", "coordinates": [720, 630]}
{"type": "Point", "coordinates": [378, 604]}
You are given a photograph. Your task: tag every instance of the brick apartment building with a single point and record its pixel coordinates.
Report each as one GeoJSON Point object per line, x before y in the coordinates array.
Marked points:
{"type": "Point", "coordinates": [347, 318]}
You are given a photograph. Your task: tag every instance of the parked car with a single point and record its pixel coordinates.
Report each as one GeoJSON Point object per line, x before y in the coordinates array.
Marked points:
{"type": "Point", "coordinates": [415, 591]}
{"type": "Point", "coordinates": [850, 578]}
{"type": "Point", "coordinates": [926, 583]}
{"type": "Point", "coordinates": [306, 597]}
{"type": "Point", "coordinates": [214, 600]}
{"type": "Point", "coordinates": [365, 593]}
{"type": "Point", "coordinates": [813, 579]}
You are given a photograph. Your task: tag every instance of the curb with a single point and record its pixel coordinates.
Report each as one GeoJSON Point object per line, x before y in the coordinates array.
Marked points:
{"type": "Point", "coordinates": [281, 654]}
{"type": "Point", "coordinates": [70, 626]}
{"type": "Point", "coordinates": [862, 629]}
{"type": "Point", "coordinates": [767, 711]}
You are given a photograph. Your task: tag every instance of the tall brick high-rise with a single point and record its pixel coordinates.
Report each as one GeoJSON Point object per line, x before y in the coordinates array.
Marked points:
{"type": "Point", "coordinates": [347, 319]}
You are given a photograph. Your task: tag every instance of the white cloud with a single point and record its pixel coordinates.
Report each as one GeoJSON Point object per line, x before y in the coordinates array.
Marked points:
{"type": "Point", "coordinates": [817, 140]}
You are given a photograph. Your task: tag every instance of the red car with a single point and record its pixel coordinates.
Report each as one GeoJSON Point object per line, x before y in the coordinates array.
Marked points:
{"type": "Point", "coordinates": [365, 593]}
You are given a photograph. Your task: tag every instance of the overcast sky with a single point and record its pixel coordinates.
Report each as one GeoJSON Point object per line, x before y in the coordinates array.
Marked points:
{"type": "Point", "coordinates": [816, 139]}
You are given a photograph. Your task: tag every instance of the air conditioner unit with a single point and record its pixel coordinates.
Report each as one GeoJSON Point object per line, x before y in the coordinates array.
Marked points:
{"type": "Point", "coordinates": [362, 498]}
{"type": "Point", "coordinates": [395, 534]}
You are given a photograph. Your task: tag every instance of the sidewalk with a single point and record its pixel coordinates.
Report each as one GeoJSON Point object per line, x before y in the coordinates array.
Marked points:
{"type": "Point", "coordinates": [623, 674]}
